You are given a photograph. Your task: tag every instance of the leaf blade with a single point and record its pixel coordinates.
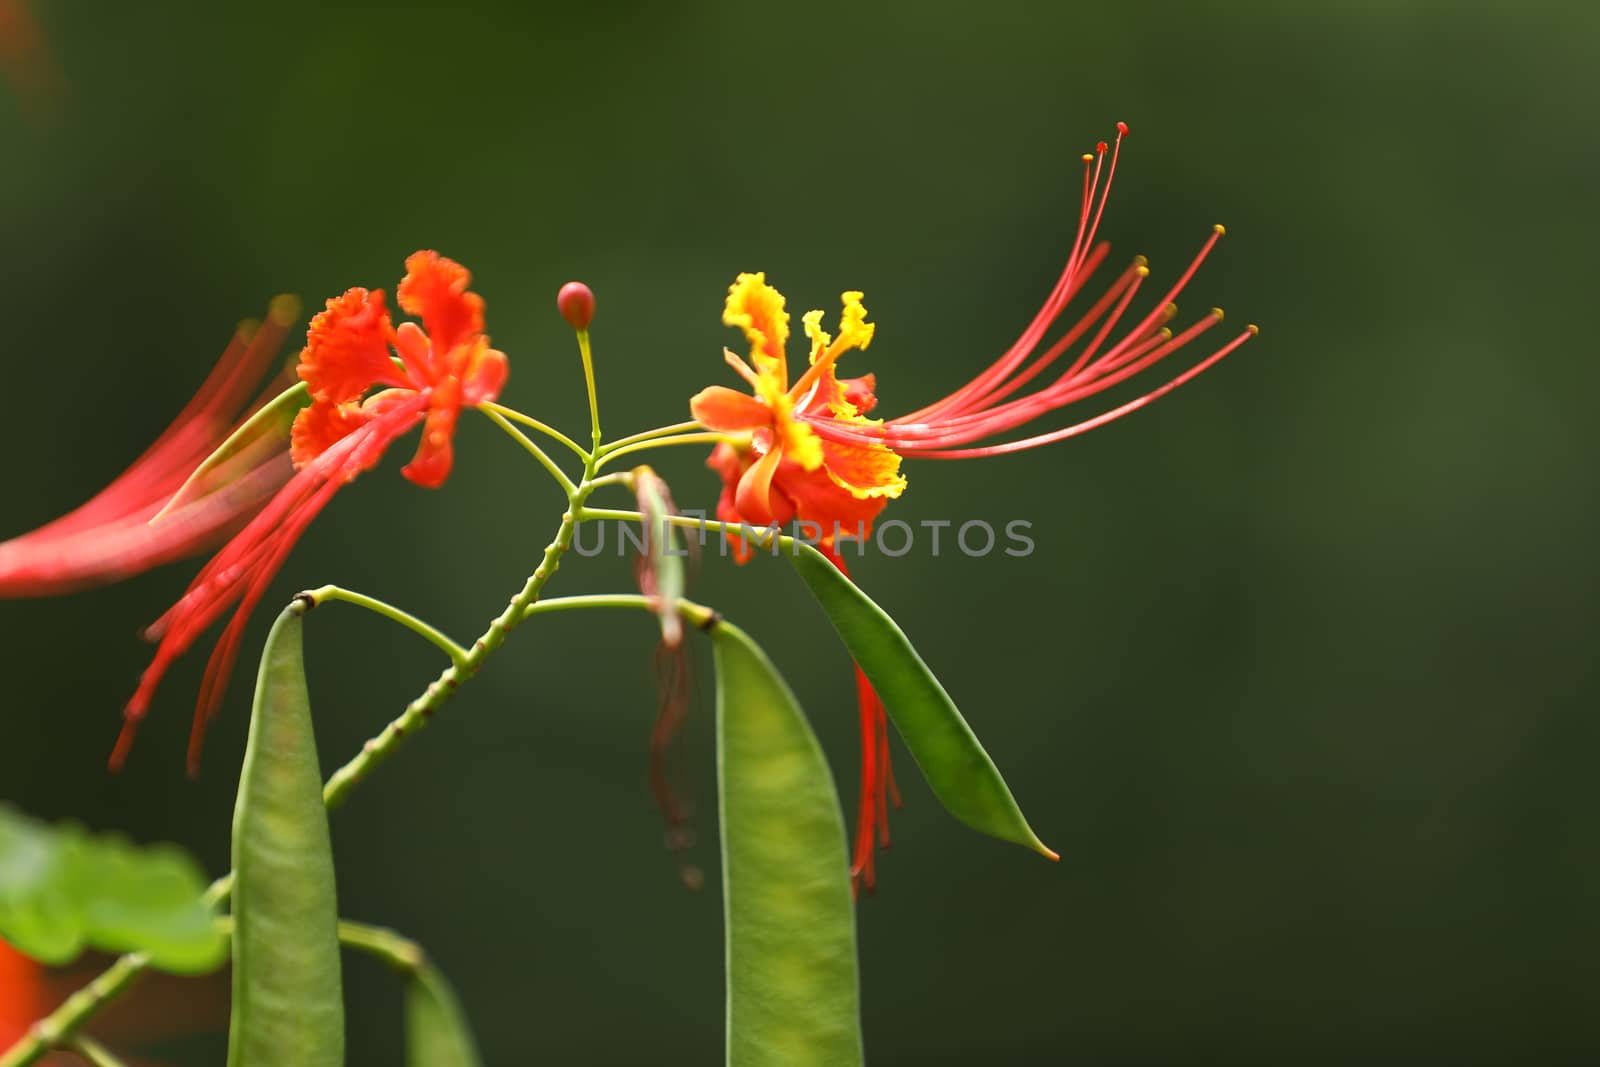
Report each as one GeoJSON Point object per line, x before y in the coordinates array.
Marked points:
{"type": "Point", "coordinates": [954, 762]}
{"type": "Point", "coordinates": [63, 890]}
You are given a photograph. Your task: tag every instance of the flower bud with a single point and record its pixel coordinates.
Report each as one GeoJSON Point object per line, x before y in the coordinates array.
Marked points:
{"type": "Point", "coordinates": [576, 304]}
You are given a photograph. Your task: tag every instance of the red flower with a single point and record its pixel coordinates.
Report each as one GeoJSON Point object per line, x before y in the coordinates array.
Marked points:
{"type": "Point", "coordinates": [808, 452]}
{"type": "Point", "coordinates": [111, 537]}
{"type": "Point", "coordinates": [437, 369]}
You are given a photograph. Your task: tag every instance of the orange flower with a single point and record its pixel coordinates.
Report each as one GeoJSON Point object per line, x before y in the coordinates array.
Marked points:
{"type": "Point", "coordinates": [781, 469]}
{"type": "Point", "coordinates": [348, 351]}
{"type": "Point", "coordinates": [436, 369]}
{"type": "Point", "coordinates": [807, 452]}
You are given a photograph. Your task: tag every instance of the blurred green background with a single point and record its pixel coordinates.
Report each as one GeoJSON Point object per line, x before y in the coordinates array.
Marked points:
{"type": "Point", "coordinates": [1300, 680]}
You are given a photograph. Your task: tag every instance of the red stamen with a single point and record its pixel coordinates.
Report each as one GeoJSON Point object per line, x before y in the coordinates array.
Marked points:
{"type": "Point", "coordinates": [1099, 420]}
{"type": "Point", "coordinates": [861, 868]}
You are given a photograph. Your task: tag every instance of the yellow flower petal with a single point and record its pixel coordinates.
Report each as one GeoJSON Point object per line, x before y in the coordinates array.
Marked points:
{"type": "Point", "coordinates": [866, 471]}
{"type": "Point", "coordinates": [854, 329]}
{"type": "Point", "coordinates": [820, 340]}
{"type": "Point", "coordinates": [757, 308]}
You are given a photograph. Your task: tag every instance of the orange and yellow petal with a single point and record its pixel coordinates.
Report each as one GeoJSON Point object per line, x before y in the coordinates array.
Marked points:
{"type": "Point", "coordinates": [798, 442]}
{"type": "Point", "coordinates": [758, 309]}
{"type": "Point", "coordinates": [347, 347]}
{"type": "Point", "coordinates": [794, 438]}
{"type": "Point", "coordinates": [865, 471]}
{"type": "Point", "coordinates": [818, 500]}
{"type": "Point", "coordinates": [727, 410]}
{"type": "Point", "coordinates": [435, 291]}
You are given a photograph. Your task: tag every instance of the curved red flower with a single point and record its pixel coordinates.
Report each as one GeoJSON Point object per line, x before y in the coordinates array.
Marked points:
{"type": "Point", "coordinates": [429, 373]}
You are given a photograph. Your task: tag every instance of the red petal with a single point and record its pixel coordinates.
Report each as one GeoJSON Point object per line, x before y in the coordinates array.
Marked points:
{"type": "Point", "coordinates": [436, 454]}
{"type": "Point", "coordinates": [347, 347]}
{"type": "Point", "coordinates": [435, 290]}
{"type": "Point", "coordinates": [485, 374]}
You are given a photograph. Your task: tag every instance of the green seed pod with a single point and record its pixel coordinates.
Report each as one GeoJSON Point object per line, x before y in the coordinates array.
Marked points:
{"type": "Point", "coordinates": [793, 989]}
{"type": "Point", "coordinates": [288, 1001]}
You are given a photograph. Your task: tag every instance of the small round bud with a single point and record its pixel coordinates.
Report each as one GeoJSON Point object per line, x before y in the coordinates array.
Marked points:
{"type": "Point", "coordinates": [576, 304]}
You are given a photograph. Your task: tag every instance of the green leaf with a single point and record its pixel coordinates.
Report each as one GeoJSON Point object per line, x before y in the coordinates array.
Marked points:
{"type": "Point", "coordinates": [262, 434]}
{"type": "Point", "coordinates": [288, 1004]}
{"type": "Point", "coordinates": [957, 768]}
{"type": "Point", "coordinates": [63, 890]}
{"type": "Point", "coordinates": [793, 992]}
{"type": "Point", "coordinates": [437, 1034]}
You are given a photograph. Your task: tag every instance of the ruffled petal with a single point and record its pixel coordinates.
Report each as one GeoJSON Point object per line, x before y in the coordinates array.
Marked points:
{"type": "Point", "coordinates": [319, 426]}
{"type": "Point", "coordinates": [854, 329]}
{"type": "Point", "coordinates": [865, 471]}
{"type": "Point", "coordinates": [347, 347]}
{"type": "Point", "coordinates": [757, 308]}
{"type": "Point", "coordinates": [435, 290]}
{"type": "Point", "coordinates": [820, 338]}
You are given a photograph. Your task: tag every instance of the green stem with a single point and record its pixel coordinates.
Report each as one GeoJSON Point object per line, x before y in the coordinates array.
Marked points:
{"type": "Point", "coordinates": [399, 952]}
{"type": "Point", "coordinates": [93, 1051]}
{"type": "Point", "coordinates": [659, 431]}
{"type": "Point", "coordinates": [694, 614]}
{"type": "Point", "coordinates": [663, 442]}
{"type": "Point", "coordinates": [538, 453]}
{"type": "Point", "coordinates": [622, 478]}
{"type": "Point", "coordinates": [421, 710]}
{"type": "Point", "coordinates": [532, 423]}
{"type": "Point", "coordinates": [588, 378]}
{"type": "Point", "coordinates": [62, 1025]}
{"type": "Point", "coordinates": [456, 653]}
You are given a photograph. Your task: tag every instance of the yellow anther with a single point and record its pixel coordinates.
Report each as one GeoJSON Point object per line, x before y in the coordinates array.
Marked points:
{"type": "Point", "coordinates": [1220, 229]}
{"type": "Point", "coordinates": [284, 309]}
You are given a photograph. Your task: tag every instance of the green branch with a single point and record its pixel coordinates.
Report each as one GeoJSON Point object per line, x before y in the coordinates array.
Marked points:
{"type": "Point", "coordinates": [321, 595]}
